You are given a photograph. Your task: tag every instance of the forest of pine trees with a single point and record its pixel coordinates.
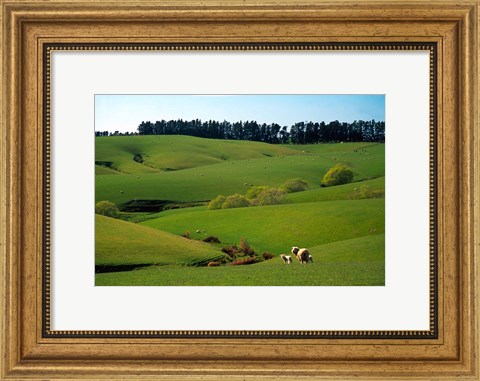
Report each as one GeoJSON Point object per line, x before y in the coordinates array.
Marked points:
{"type": "Point", "coordinates": [299, 133]}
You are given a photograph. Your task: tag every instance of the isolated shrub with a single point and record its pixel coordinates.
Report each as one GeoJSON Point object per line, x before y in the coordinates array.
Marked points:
{"type": "Point", "coordinates": [244, 261]}
{"type": "Point", "coordinates": [270, 196]}
{"type": "Point", "coordinates": [294, 185]}
{"type": "Point", "coordinates": [235, 201]}
{"type": "Point", "coordinates": [246, 248]}
{"type": "Point", "coordinates": [366, 192]}
{"type": "Point", "coordinates": [106, 208]}
{"type": "Point", "coordinates": [211, 239]}
{"type": "Point", "coordinates": [217, 202]}
{"type": "Point", "coordinates": [268, 255]}
{"type": "Point", "coordinates": [337, 175]}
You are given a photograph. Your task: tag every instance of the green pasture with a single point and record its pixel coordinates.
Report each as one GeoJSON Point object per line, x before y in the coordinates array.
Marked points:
{"type": "Point", "coordinates": [355, 262]}
{"type": "Point", "coordinates": [202, 183]}
{"type": "Point", "coordinates": [174, 152]}
{"type": "Point", "coordinates": [339, 192]}
{"type": "Point", "coordinates": [207, 182]}
{"type": "Point", "coordinates": [277, 228]}
{"type": "Point", "coordinates": [118, 243]}
{"type": "Point", "coordinates": [344, 233]}
{"type": "Point", "coordinates": [368, 159]}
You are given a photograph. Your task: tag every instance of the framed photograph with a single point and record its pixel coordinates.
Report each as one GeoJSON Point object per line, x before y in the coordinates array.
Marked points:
{"type": "Point", "coordinates": [239, 190]}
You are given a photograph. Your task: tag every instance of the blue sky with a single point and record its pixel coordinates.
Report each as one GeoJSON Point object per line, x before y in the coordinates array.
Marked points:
{"type": "Point", "coordinates": [125, 112]}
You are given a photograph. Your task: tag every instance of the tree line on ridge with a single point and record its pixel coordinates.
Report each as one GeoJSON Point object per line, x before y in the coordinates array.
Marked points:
{"type": "Point", "coordinates": [299, 133]}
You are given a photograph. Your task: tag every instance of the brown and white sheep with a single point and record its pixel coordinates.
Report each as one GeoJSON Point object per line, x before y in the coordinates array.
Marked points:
{"type": "Point", "coordinates": [287, 259]}
{"type": "Point", "coordinates": [302, 255]}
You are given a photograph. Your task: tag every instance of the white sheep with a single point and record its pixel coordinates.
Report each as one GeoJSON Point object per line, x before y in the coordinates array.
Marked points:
{"type": "Point", "coordinates": [287, 259]}
{"type": "Point", "coordinates": [302, 255]}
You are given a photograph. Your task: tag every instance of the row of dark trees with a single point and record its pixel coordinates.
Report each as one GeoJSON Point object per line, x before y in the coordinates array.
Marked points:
{"type": "Point", "coordinates": [299, 133]}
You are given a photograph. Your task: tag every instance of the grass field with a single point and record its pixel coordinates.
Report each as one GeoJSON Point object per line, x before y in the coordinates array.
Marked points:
{"type": "Point", "coordinates": [343, 231]}
{"type": "Point", "coordinates": [168, 153]}
{"type": "Point", "coordinates": [123, 243]}
{"type": "Point", "coordinates": [277, 228]}
{"type": "Point", "coordinates": [201, 182]}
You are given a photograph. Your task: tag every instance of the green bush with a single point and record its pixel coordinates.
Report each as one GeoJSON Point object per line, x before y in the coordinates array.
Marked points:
{"type": "Point", "coordinates": [235, 201]}
{"type": "Point", "coordinates": [106, 208]}
{"type": "Point", "coordinates": [294, 185]}
{"type": "Point", "coordinates": [255, 196]}
{"type": "Point", "coordinates": [337, 175]}
{"type": "Point", "coordinates": [217, 202]}
{"type": "Point", "coordinates": [270, 196]}
{"type": "Point", "coordinates": [253, 192]}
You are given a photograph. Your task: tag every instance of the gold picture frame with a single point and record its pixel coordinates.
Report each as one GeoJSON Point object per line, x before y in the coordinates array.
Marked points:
{"type": "Point", "coordinates": [30, 350]}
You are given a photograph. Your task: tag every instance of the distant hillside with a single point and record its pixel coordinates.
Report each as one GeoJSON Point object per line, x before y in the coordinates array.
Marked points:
{"type": "Point", "coordinates": [149, 154]}
{"type": "Point", "coordinates": [197, 169]}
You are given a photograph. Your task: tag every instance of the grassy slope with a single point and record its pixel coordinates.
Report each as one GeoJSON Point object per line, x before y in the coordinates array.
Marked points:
{"type": "Point", "coordinates": [277, 228]}
{"type": "Point", "coordinates": [173, 152]}
{"type": "Point", "coordinates": [120, 242]}
{"type": "Point", "coordinates": [340, 192]}
{"type": "Point", "coordinates": [369, 248]}
{"type": "Point", "coordinates": [204, 183]}
{"type": "Point", "coordinates": [367, 159]}
{"type": "Point", "coordinates": [344, 236]}
{"type": "Point", "coordinates": [235, 176]}
{"type": "Point", "coordinates": [354, 262]}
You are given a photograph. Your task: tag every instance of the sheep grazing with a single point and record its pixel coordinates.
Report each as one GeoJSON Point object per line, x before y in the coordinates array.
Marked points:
{"type": "Point", "coordinates": [287, 259]}
{"type": "Point", "coordinates": [302, 255]}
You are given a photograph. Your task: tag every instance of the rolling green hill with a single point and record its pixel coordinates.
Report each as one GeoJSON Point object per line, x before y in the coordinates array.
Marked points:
{"type": "Point", "coordinates": [354, 262]}
{"type": "Point", "coordinates": [247, 164]}
{"type": "Point", "coordinates": [339, 192]}
{"type": "Point", "coordinates": [343, 232]}
{"type": "Point", "coordinates": [367, 159]}
{"type": "Point", "coordinates": [279, 227]}
{"type": "Point", "coordinates": [174, 152]}
{"type": "Point", "coordinates": [123, 243]}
